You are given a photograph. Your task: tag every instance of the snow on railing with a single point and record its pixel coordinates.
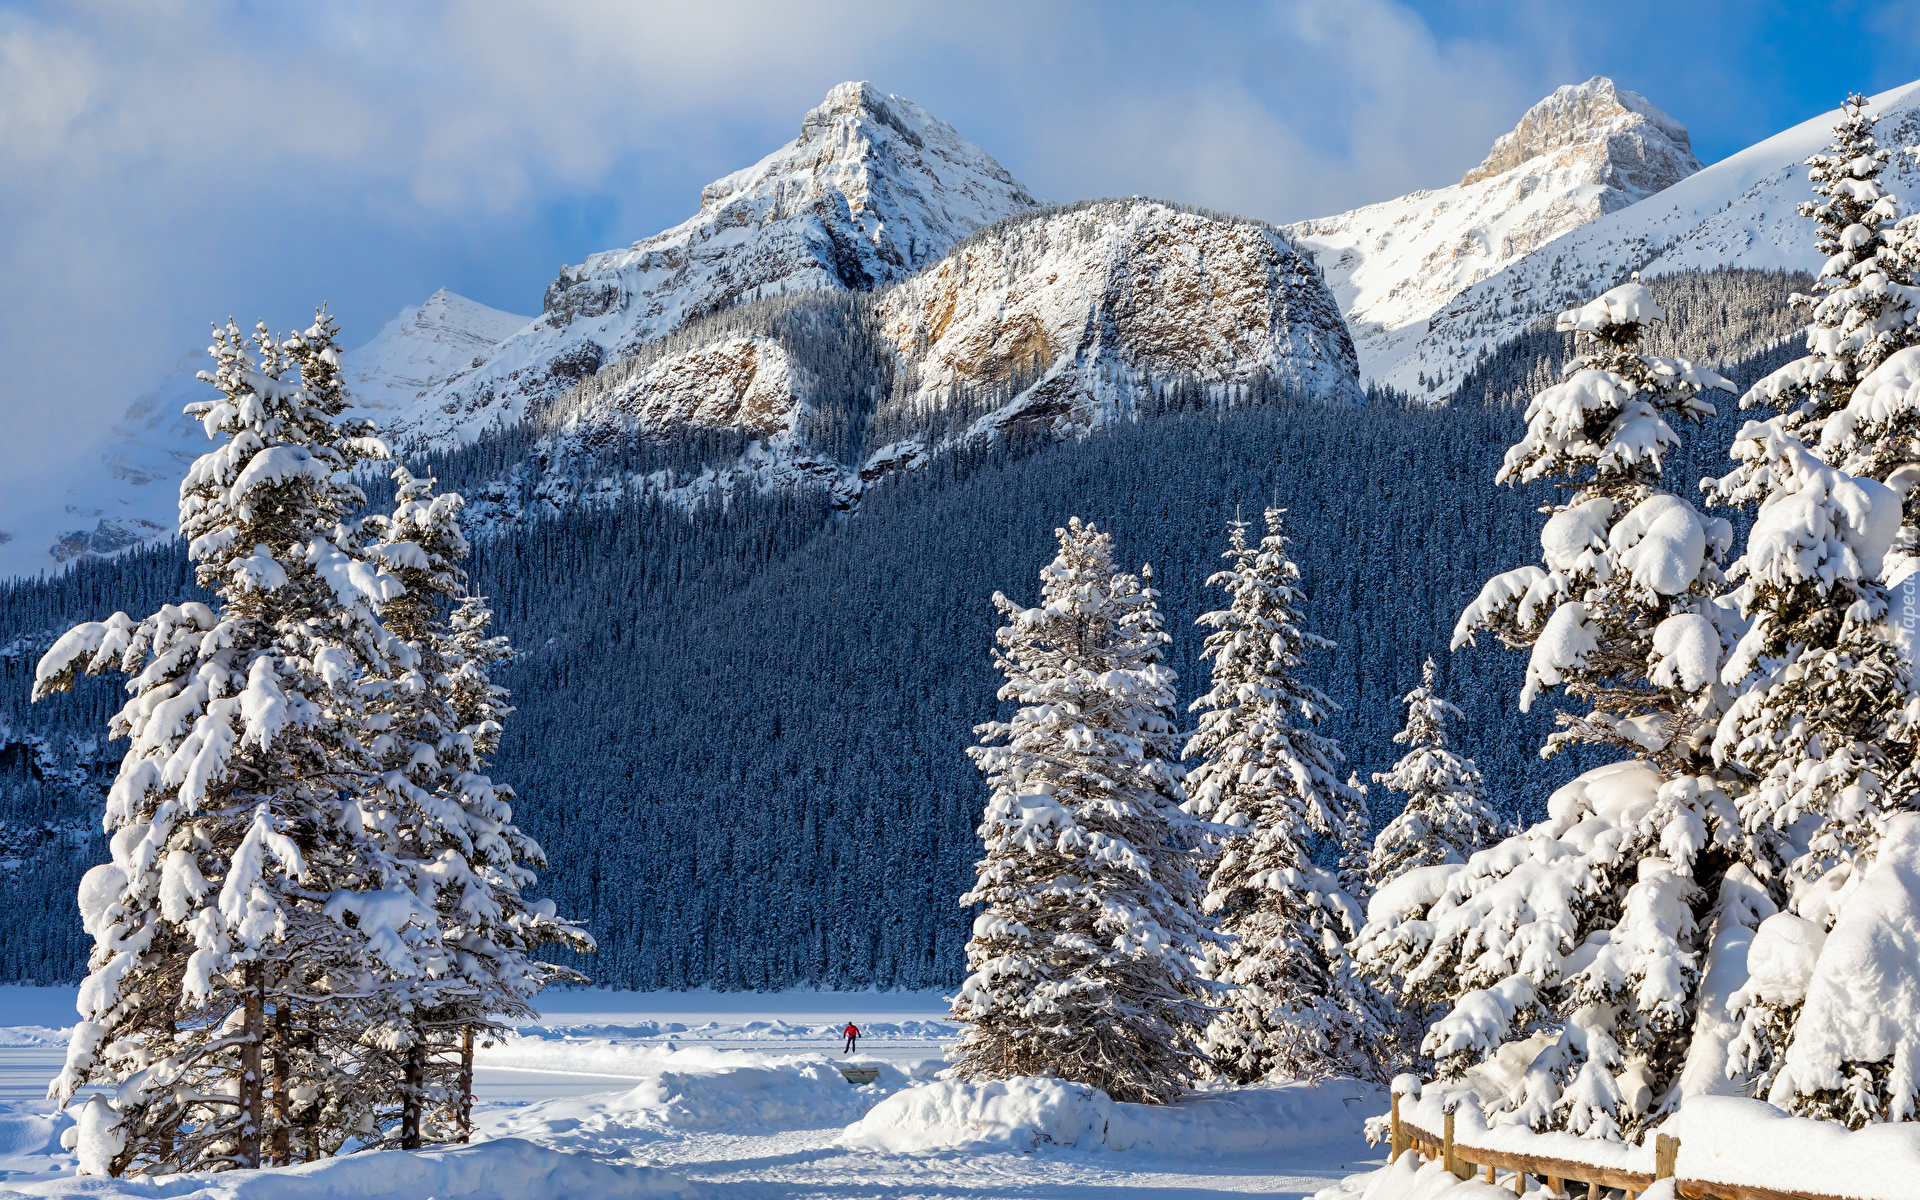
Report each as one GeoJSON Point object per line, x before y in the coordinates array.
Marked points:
{"type": "Point", "coordinates": [1736, 1149]}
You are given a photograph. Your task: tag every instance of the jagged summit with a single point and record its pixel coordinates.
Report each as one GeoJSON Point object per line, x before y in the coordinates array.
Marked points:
{"type": "Point", "coordinates": [1587, 150]}
{"type": "Point", "coordinates": [1638, 148]}
{"type": "Point", "coordinates": [872, 189]}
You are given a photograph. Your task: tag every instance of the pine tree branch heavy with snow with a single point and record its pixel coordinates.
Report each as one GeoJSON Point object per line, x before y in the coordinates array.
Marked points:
{"type": "Point", "coordinates": [1821, 744]}
{"type": "Point", "coordinates": [448, 831]}
{"type": "Point", "coordinates": [1621, 613]}
{"type": "Point", "coordinates": [1864, 315]}
{"type": "Point", "coordinates": [1081, 965]}
{"type": "Point", "coordinates": [1296, 1010]}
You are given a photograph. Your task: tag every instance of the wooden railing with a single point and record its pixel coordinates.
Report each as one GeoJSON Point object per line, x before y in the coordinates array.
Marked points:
{"type": "Point", "coordinates": [1558, 1173]}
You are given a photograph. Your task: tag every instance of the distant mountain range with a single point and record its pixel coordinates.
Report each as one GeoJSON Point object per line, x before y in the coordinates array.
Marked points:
{"type": "Point", "coordinates": [998, 310]}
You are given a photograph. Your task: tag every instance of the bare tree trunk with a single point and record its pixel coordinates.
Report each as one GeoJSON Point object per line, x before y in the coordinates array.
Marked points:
{"type": "Point", "coordinates": [466, 1082]}
{"type": "Point", "coordinates": [282, 1069]}
{"type": "Point", "coordinates": [251, 1082]}
{"type": "Point", "coordinates": [416, 1078]}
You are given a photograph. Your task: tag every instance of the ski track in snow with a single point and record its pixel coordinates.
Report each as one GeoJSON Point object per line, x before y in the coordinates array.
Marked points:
{"type": "Point", "coordinates": [732, 1090]}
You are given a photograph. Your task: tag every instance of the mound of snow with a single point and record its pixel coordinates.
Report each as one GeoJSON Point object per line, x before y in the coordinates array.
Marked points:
{"type": "Point", "coordinates": [698, 1091]}
{"type": "Point", "coordinates": [507, 1170]}
{"type": "Point", "coordinates": [30, 1141]}
{"type": "Point", "coordinates": [33, 1035]}
{"type": "Point", "coordinates": [805, 1095]}
{"type": "Point", "coordinates": [1011, 1114]}
{"type": "Point", "coordinates": [1409, 1179]}
{"type": "Point", "coordinates": [1028, 1113]}
{"type": "Point", "coordinates": [1733, 1140]}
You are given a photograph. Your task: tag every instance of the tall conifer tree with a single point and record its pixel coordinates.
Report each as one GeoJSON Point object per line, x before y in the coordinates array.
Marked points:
{"type": "Point", "coordinates": [1081, 965]}
{"type": "Point", "coordinates": [1264, 772]}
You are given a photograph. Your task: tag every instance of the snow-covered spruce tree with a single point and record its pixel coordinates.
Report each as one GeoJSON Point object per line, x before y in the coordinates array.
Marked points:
{"type": "Point", "coordinates": [1576, 950]}
{"type": "Point", "coordinates": [1447, 816]}
{"type": "Point", "coordinates": [1620, 614]}
{"type": "Point", "coordinates": [1820, 749]}
{"type": "Point", "coordinates": [1865, 310]}
{"type": "Point", "coordinates": [1297, 1010]}
{"type": "Point", "coordinates": [1082, 965]}
{"type": "Point", "coordinates": [217, 955]}
{"type": "Point", "coordinates": [451, 846]}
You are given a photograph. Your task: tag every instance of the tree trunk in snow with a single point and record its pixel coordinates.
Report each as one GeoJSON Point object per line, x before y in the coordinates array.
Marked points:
{"type": "Point", "coordinates": [282, 1143]}
{"type": "Point", "coordinates": [416, 1076]}
{"type": "Point", "coordinates": [466, 1083]}
{"type": "Point", "coordinates": [250, 1071]}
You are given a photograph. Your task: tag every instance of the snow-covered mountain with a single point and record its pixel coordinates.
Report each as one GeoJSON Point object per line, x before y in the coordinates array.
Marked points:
{"type": "Point", "coordinates": [133, 496]}
{"type": "Point", "coordinates": [1058, 321]}
{"type": "Point", "coordinates": [873, 188]}
{"type": "Point", "coordinates": [1739, 212]}
{"type": "Point", "coordinates": [1585, 151]}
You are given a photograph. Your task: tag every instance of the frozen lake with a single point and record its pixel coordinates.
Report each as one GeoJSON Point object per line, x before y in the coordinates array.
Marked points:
{"type": "Point", "coordinates": [737, 1090]}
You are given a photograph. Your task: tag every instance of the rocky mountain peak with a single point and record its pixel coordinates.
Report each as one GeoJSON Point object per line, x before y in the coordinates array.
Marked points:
{"type": "Point", "coordinates": [1638, 148]}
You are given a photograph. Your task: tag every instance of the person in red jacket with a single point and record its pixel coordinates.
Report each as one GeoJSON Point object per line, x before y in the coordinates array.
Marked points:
{"type": "Point", "coordinates": [852, 1031]}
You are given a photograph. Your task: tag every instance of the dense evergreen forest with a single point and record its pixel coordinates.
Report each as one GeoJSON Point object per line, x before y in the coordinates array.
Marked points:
{"type": "Point", "coordinates": [741, 728]}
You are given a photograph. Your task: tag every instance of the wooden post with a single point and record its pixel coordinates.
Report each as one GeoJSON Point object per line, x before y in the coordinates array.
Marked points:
{"type": "Point", "coordinates": [1393, 1111]}
{"type": "Point", "coordinates": [1450, 1156]}
{"type": "Point", "coordinates": [1519, 1183]}
{"type": "Point", "coordinates": [1666, 1154]}
{"type": "Point", "coordinates": [1593, 1190]}
{"type": "Point", "coordinates": [1489, 1172]}
{"type": "Point", "coordinates": [1556, 1185]}
{"type": "Point", "coordinates": [252, 1085]}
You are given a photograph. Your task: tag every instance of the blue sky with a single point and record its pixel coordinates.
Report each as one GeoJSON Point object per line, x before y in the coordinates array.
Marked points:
{"type": "Point", "coordinates": [165, 164]}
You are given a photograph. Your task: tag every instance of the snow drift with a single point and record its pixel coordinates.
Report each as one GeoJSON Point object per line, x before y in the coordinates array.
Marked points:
{"type": "Point", "coordinates": [1026, 1114]}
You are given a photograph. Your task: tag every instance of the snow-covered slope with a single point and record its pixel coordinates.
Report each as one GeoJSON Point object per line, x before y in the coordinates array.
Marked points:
{"type": "Point", "coordinates": [872, 189]}
{"type": "Point", "coordinates": [422, 349]}
{"type": "Point", "coordinates": [1739, 212]}
{"type": "Point", "coordinates": [133, 495]}
{"type": "Point", "coordinates": [1093, 297]}
{"type": "Point", "coordinates": [1587, 150]}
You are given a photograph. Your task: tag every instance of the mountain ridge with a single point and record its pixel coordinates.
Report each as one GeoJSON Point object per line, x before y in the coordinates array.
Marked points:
{"type": "Point", "coordinates": [1584, 151]}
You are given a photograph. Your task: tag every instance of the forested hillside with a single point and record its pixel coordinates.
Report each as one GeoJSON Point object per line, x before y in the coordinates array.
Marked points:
{"type": "Point", "coordinates": [741, 727]}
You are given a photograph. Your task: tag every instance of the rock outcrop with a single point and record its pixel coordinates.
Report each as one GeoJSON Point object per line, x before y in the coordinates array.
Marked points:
{"type": "Point", "coordinates": [1626, 143]}
{"type": "Point", "coordinates": [1079, 307]}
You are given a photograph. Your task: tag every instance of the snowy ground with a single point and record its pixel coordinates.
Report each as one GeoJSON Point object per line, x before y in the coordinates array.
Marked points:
{"type": "Point", "coordinates": [738, 1094]}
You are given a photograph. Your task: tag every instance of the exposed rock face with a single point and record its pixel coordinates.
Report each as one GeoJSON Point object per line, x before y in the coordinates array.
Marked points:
{"type": "Point", "coordinates": [1081, 304]}
{"type": "Point", "coordinates": [1631, 145]}
{"type": "Point", "coordinates": [872, 189]}
{"type": "Point", "coordinates": [1585, 151]}
{"type": "Point", "coordinates": [741, 383]}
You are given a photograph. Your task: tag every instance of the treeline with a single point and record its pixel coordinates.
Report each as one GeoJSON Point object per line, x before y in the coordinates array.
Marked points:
{"type": "Point", "coordinates": [741, 725]}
